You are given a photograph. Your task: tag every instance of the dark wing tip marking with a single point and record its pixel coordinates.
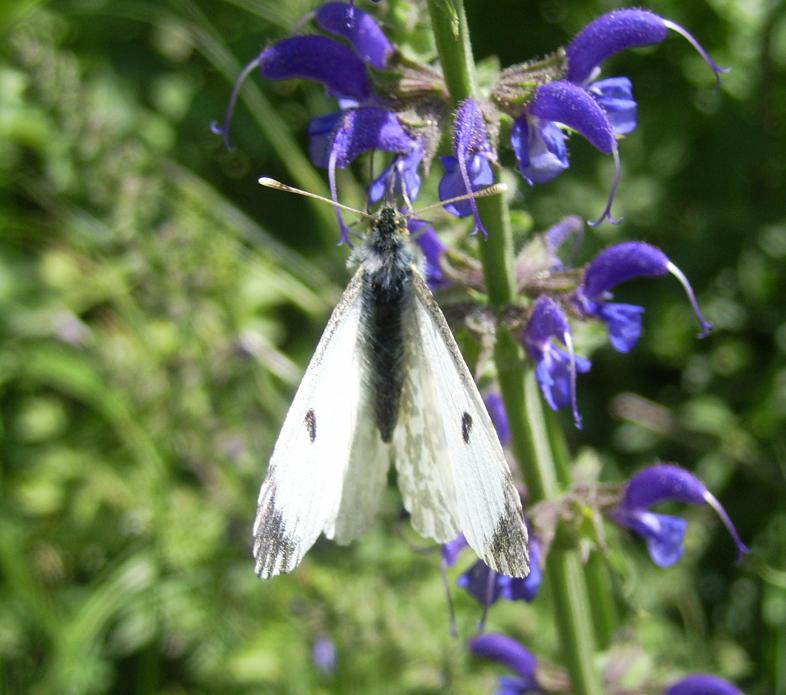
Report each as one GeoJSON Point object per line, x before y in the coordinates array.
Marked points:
{"type": "Point", "coordinates": [311, 424]}
{"type": "Point", "coordinates": [466, 426]}
{"type": "Point", "coordinates": [273, 546]}
{"type": "Point", "coordinates": [509, 544]}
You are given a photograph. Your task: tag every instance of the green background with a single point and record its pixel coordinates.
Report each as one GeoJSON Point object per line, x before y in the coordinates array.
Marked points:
{"type": "Point", "coordinates": [157, 309]}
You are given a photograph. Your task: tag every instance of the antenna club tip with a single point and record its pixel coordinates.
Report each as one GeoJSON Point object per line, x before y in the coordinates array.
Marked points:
{"type": "Point", "coordinates": [267, 181]}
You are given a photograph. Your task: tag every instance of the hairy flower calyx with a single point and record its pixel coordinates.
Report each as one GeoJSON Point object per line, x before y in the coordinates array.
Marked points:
{"type": "Point", "coordinates": [517, 84]}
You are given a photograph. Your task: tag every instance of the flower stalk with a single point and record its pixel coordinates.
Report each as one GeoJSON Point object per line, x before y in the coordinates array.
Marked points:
{"type": "Point", "coordinates": [530, 436]}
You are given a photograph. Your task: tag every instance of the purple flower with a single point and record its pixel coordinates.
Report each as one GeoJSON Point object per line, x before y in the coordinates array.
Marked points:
{"type": "Point", "coordinates": [618, 30]}
{"type": "Point", "coordinates": [499, 416]}
{"type": "Point", "coordinates": [616, 265]}
{"type": "Point", "coordinates": [487, 586]}
{"type": "Point", "coordinates": [540, 149]}
{"type": "Point", "coordinates": [364, 123]}
{"type": "Point", "coordinates": [703, 684]}
{"type": "Point", "coordinates": [598, 110]}
{"type": "Point", "coordinates": [433, 249]}
{"type": "Point", "coordinates": [539, 144]}
{"type": "Point", "coordinates": [665, 534]}
{"type": "Point", "coordinates": [555, 369]}
{"type": "Point", "coordinates": [469, 170]}
{"type": "Point", "coordinates": [515, 656]}
{"type": "Point", "coordinates": [323, 653]}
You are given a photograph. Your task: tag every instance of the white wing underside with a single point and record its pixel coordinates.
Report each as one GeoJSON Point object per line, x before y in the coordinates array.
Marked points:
{"type": "Point", "coordinates": [329, 466]}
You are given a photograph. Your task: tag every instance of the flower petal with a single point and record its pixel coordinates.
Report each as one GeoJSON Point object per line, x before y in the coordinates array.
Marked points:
{"type": "Point", "coordinates": [615, 96]}
{"type": "Point", "coordinates": [540, 149]}
{"type": "Point", "coordinates": [359, 28]}
{"type": "Point", "coordinates": [609, 34]}
{"type": "Point", "coordinates": [620, 29]}
{"type": "Point", "coordinates": [623, 322]}
{"type": "Point", "coordinates": [433, 249]}
{"type": "Point", "coordinates": [547, 321]}
{"type": "Point", "coordinates": [660, 483]}
{"type": "Point", "coordinates": [452, 549]}
{"type": "Point", "coordinates": [323, 653]}
{"type": "Point", "coordinates": [555, 369]}
{"type": "Point", "coordinates": [472, 151]}
{"type": "Point", "coordinates": [703, 684]}
{"type": "Point", "coordinates": [570, 104]}
{"type": "Point", "coordinates": [357, 131]}
{"type": "Point", "coordinates": [320, 132]}
{"type": "Point", "coordinates": [452, 182]}
{"type": "Point", "coordinates": [664, 534]}
{"type": "Point", "coordinates": [499, 416]}
{"type": "Point", "coordinates": [507, 651]}
{"type": "Point", "coordinates": [368, 128]}
{"type": "Point", "coordinates": [514, 685]}
{"type": "Point", "coordinates": [620, 263]}
{"type": "Point", "coordinates": [400, 178]}
{"type": "Point", "coordinates": [317, 58]}
{"type": "Point", "coordinates": [482, 582]}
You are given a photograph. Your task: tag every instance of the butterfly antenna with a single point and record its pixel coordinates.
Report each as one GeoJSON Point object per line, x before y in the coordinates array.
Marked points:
{"type": "Point", "coordinates": [494, 189]}
{"type": "Point", "coordinates": [272, 183]}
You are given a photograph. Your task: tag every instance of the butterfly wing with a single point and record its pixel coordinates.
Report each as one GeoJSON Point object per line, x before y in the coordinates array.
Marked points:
{"type": "Point", "coordinates": [304, 492]}
{"type": "Point", "coordinates": [452, 471]}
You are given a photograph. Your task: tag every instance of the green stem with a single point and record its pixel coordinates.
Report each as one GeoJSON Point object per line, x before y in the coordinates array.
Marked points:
{"type": "Point", "coordinates": [530, 435]}
{"type": "Point", "coordinates": [603, 605]}
{"type": "Point", "coordinates": [604, 608]}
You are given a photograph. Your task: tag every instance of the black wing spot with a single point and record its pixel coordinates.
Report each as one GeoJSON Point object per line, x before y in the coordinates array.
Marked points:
{"type": "Point", "coordinates": [311, 424]}
{"type": "Point", "coordinates": [466, 426]}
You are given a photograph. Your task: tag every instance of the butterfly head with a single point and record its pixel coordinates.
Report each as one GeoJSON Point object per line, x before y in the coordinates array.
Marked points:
{"type": "Point", "coordinates": [389, 223]}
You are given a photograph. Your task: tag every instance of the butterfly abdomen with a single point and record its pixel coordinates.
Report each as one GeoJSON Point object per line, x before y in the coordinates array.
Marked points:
{"type": "Point", "coordinates": [387, 295]}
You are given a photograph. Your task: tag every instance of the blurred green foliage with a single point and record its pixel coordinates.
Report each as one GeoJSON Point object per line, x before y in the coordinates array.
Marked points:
{"type": "Point", "coordinates": [157, 309]}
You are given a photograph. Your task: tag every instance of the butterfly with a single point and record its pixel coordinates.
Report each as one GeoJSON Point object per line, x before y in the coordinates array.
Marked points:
{"type": "Point", "coordinates": [387, 384]}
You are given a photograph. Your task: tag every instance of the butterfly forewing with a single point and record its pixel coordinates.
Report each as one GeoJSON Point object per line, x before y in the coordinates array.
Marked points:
{"type": "Point", "coordinates": [452, 470]}
{"type": "Point", "coordinates": [301, 495]}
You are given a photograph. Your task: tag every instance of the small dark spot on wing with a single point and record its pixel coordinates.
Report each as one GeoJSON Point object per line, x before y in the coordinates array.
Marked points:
{"type": "Point", "coordinates": [311, 424]}
{"type": "Point", "coordinates": [466, 426]}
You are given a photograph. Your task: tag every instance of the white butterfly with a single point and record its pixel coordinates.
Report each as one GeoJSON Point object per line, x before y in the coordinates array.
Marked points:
{"type": "Point", "coordinates": [387, 383]}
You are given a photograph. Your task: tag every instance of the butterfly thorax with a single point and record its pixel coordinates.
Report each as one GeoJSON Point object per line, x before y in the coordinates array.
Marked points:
{"type": "Point", "coordinates": [386, 297]}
